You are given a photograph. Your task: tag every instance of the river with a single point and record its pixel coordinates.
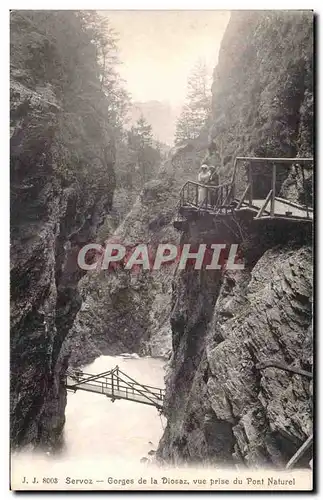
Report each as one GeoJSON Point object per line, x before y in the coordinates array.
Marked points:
{"type": "Point", "coordinates": [96, 427]}
{"type": "Point", "coordinates": [101, 435]}
{"type": "Point", "coordinates": [105, 441]}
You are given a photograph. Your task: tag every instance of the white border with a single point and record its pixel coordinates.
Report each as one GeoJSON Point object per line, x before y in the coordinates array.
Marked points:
{"type": "Point", "coordinates": [164, 5]}
{"type": "Point", "coordinates": [4, 184]}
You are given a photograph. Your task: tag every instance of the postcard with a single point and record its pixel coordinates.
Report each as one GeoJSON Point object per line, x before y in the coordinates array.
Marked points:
{"type": "Point", "coordinates": [162, 221]}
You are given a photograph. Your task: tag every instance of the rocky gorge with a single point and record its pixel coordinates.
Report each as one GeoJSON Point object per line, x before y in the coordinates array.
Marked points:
{"type": "Point", "coordinates": [212, 327]}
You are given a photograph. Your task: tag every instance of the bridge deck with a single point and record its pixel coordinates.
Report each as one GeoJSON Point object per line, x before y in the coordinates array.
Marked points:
{"type": "Point", "coordinates": [115, 384]}
{"type": "Point", "coordinates": [282, 208]}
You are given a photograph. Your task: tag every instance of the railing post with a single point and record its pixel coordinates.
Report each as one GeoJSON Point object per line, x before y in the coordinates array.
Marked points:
{"type": "Point", "coordinates": [273, 188]}
{"type": "Point", "coordinates": [233, 190]}
{"type": "Point", "coordinates": [250, 184]}
{"type": "Point", "coordinates": [118, 382]}
{"type": "Point", "coordinates": [196, 194]}
{"type": "Point", "coordinates": [304, 189]}
{"type": "Point", "coordinates": [112, 382]}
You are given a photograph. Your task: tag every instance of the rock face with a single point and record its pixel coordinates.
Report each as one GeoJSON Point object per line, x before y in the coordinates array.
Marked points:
{"type": "Point", "coordinates": [53, 213]}
{"type": "Point", "coordinates": [221, 409]}
{"type": "Point", "coordinates": [262, 102]}
{"type": "Point", "coordinates": [128, 311]}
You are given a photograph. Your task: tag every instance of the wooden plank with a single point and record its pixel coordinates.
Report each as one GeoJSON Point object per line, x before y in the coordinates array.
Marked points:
{"type": "Point", "coordinates": [281, 206]}
{"type": "Point", "coordinates": [281, 217]}
{"type": "Point", "coordinates": [250, 184]}
{"type": "Point", "coordinates": [306, 161]}
{"type": "Point", "coordinates": [300, 453]}
{"type": "Point", "coordinates": [305, 193]}
{"type": "Point", "coordinates": [243, 197]}
{"type": "Point", "coordinates": [273, 189]}
{"type": "Point", "coordinates": [262, 209]}
{"type": "Point", "coordinates": [282, 366]}
{"type": "Point", "coordinates": [294, 204]}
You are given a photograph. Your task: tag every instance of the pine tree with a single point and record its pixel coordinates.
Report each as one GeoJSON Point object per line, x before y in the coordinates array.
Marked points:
{"type": "Point", "coordinates": [196, 110]}
{"type": "Point", "coordinates": [105, 40]}
{"type": "Point", "coordinates": [142, 132]}
{"type": "Point", "coordinates": [73, 54]}
{"type": "Point", "coordinates": [140, 141]}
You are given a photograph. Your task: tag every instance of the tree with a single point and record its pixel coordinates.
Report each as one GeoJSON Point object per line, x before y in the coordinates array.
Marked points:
{"type": "Point", "coordinates": [197, 108]}
{"type": "Point", "coordinates": [140, 142]}
{"type": "Point", "coordinates": [105, 39]}
{"type": "Point", "coordinates": [73, 56]}
{"type": "Point", "coordinates": [142, 133]}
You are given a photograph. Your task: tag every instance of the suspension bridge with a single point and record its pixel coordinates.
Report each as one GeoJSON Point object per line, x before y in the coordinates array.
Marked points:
{"type": "Point", "coordinates": [115, 384]}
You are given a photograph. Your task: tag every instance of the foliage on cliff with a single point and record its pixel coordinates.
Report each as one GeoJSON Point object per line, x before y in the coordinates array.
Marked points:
{"type": "Point", "coordinates": [195, 114]}
{"type": "Point", "coordinates": [143, 155]}
{"type": "Point", "coordinates": [70, 57]}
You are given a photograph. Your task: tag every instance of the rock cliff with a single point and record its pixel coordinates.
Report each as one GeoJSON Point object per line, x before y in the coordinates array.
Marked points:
{"type": "Point", "coordinates": [220, 408]}
{"type": "Point", "coordinates": [128, 311]}
{"type": "Point", "coordinates": [56, 207]}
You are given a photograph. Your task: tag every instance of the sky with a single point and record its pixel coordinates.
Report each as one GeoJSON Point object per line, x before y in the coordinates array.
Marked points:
{"type": "Point", "coordinates": [158, 49]}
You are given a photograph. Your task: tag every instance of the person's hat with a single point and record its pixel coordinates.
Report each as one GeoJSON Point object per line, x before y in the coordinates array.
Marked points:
{"type": "Point", "coordinates": [203, 167]}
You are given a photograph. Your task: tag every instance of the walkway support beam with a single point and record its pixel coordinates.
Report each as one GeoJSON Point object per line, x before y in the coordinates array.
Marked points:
{"type": "Point", "coordinates": [243, 197]}
{"type": "Point", "coordinates": [273, 190]}
{"type": "Point", "coordinates": [300, 452]}
{"type": "Point", "coordinates": [304, 161]}
{"type": "Point", "coordinates": [250, 185]}
{"type": "Point", "coordinates": [282, 366]}
{"type": "Point", "coordinates": [261, 211]}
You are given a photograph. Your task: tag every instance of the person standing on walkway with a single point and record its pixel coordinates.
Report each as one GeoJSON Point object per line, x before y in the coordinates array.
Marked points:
{"type": "Point", "coordinates": [214, 181]}
{"type": "Point", "coordinates": [203, 178]}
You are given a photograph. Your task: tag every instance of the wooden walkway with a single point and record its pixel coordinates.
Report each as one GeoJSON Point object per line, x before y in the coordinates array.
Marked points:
{"type": "Point", "coordinates": [115, 384]}
{"type": "Point", "coordinates": [282, 209]}
{"type": "Point", "coordinates": [222, 199]}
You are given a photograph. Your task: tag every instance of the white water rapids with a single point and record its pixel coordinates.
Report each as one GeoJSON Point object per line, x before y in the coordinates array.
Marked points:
{"type": "Point", "coordinates": [100, 433]}
{"type": "Point", "coordinates": [95, 427]}
{"type": "Point", "coordinates": [105, 441]}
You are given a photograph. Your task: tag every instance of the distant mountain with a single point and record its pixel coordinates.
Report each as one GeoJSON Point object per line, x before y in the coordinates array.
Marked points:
{"type": "Point", "coordinates": [160, 114]}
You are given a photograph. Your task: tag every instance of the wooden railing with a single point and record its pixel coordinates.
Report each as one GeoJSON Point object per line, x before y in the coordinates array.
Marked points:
{"type": "Point", "coordinates": [205, 196]}
{"type": "Point", "coordinates": [220, 197]}
{"type": "Point", "coordinates": [302, 163]}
